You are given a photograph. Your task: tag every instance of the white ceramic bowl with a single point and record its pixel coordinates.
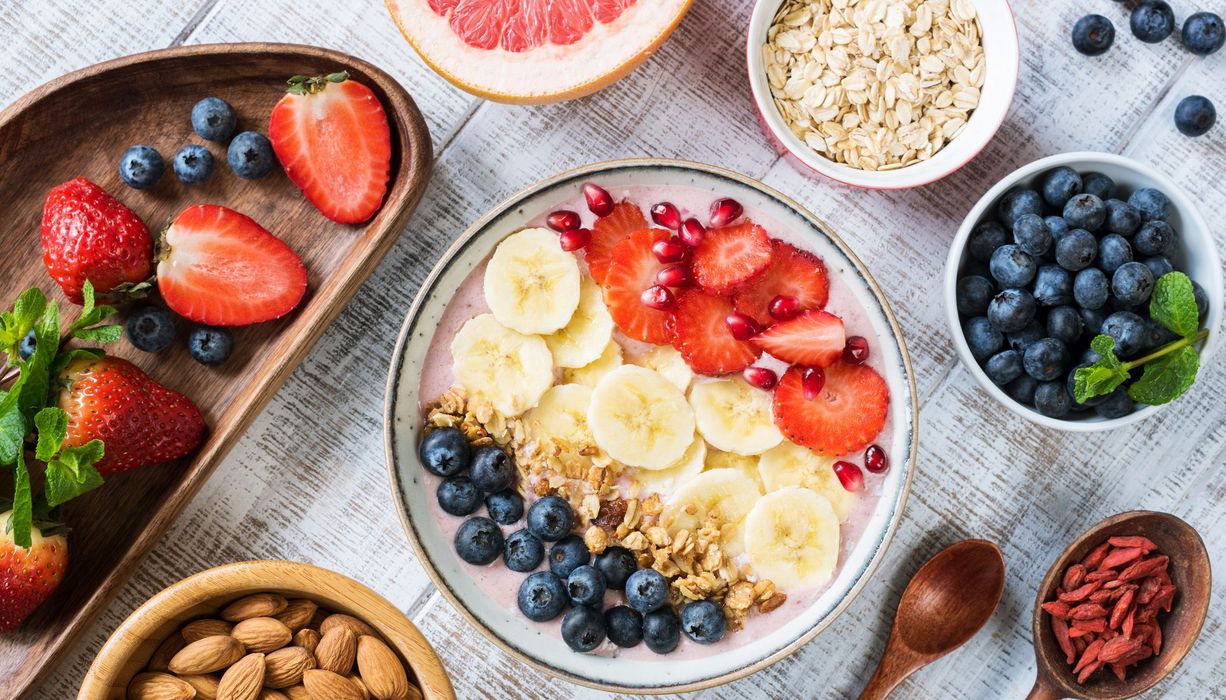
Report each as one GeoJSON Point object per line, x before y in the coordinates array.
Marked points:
{"type": "Point", "coordinates": [540, 644]}
{"type": "Point", "coordinates": [1197, 256]}
{"type": "Point", "coordinates": [1000, 48]}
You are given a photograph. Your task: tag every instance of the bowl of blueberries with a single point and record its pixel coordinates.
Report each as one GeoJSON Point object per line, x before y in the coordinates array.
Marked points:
{"type": "Point", "coordinates": [1070, 248]}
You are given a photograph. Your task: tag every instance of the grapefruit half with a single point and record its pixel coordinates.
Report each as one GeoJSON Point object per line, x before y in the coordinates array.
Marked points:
{"type": "Point", "coordinates": [535, 51]}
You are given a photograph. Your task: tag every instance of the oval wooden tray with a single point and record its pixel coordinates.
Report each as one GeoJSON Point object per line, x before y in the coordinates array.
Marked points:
{"type": "Point", "coordinates": [78, 125]}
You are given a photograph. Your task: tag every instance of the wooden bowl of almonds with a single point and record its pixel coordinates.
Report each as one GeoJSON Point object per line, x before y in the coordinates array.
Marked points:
{"type": "Point", "coordinates": [267, 630]}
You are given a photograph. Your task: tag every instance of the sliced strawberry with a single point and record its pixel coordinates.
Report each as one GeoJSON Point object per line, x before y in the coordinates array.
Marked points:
{"type": "Point", "coordinates": [607, 232]}
{"type": "Point", "coordinates": [793, 273]}
{"type": "Point", "coordinates": [331, 136]}
{"type": "Point", "coordinates": [731, 257]}
{"type": "Point", "coordinates": [814, 339]}
{"type": "Point", "coordinates": [221, 268]}
{"type": "Point", "coordinates": [701, 335]}
{"type": "Point", "coordinates": [632, 270]}
{"type": "Point", "coordinates": [844, 418]}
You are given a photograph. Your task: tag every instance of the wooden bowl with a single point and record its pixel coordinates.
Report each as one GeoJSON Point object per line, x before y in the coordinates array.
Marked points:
{"type": "Point", "coordinates": [1189, 570]}
{"type": "Point", "coordinates": [134, 641]}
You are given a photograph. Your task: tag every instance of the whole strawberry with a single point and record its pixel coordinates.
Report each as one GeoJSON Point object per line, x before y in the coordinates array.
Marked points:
{"type": "Point", "coordinates": [140, 421]}
{"type": "Point", "coordinates": [89, 235]}
{"type": "Point", "coordinates": [28, 576]}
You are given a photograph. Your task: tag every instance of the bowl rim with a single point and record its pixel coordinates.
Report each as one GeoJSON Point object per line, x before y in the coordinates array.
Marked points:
{"type": "Point", "coordinates": [957, 253]}
{"type": "Point", "coordinates": [390, 407]}
{"type": "Point", "coordinates": [783, 139]}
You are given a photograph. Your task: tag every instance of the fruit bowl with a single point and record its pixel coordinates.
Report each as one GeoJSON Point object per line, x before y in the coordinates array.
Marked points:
{"type": "Point", "coordinates": [1197, 256]}
{"type": "Point", "coordinates": [475, 590]}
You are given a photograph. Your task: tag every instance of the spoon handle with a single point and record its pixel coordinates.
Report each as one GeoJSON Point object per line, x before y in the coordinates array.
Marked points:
{"type": "Point", "coordinates": [895, 666]}
{"type": "Point", "coordinates": [1043, 691]}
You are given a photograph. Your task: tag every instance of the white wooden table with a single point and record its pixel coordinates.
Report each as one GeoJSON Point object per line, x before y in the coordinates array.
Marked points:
{"type": "Point", "coordinates": [308, 482]}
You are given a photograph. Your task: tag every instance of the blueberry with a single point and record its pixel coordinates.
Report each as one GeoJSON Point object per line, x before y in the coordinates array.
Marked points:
{"type": "Point", "coordinates": [704, 621]}
{"type": "Point", "coordinates": [1155, 238]}
{"type": "Point", "coordinates": [568, 554]}
{"type": "Point", "coordinates": [616, 563]}
{"type": "Point", "coordinates": [250, 155]}
{"type": "Point", "coordinates": [505, 507]}
{"type": "Point", "coordinates": [141, 167]}
{"type": "Point", "coordinates": [445, 452]}
{"type": "Point", "coordinates": [25, 349]}
{"type": "Point", "coordinates": [1202, 299]}
{"type": "Point", "coordinates": [583, 629]}
{"type": "Point", "coordinates": [1091, 289]}
{"type": "Point", "coordinates": [213, 118]}
{"type": "Point", "coordinates": [1017, 202]}
{"type": "Point", "coordinates": [1159, 265]}
{"type": "Point", "coordinates": [1052, 400]}
{"type": "Point", "coordinates": [661, 631]}
{"type": "Point", "coordinates": [210, 346]}
{"type": "Point", "coordinates": [1003, 367]}
{"type": "Point", "coordinates": [624, 625]}
{"type": "Point", "coordinates": [1012, 267]}
{"type": "Point", "coordinates": [1064, 324]}
{"type": "Point", "coordinates": [1203, 33]}
{"type": "Point", "coordinates": [1117, 404]}
{"type": "Point", "coordinates": [586, 586]}
{"type": "Point", "coordinates": [1128, 330]}
{"type": "Point", "coordinates": [150, 328]}
{"type": "Point", "coordinates": [646, 590]}
{"type": "Point", "coordinates": [1157, 335]}
{"type": "Point", "coordinates": [1022, 389]}
{"type": "Point", "coordinates": [1011, 310]}
{"type": "Point", "coordinates": [550, 518]}
{"type": "Point", "coordinates": [1122, 217]}
{"type": "Point", "coordinates": [1093, 320]}
{"type": "Point", "coordinates": [1132, 283]}
{"type": "Point", "coordinates": [458, 496]}
{"type": "Point", "coordinates": [478, 541]}
{"type": "Point", "coordinates": [193, 164]}
{"type": "Point", "coordinates": [1093, 35]}
{"type": "Point", "coordinates": [1113, 251]}
{"type": "Point", "coordinates": [1098, 185]}
{"type": "Point", "coordinates": [984, 340]}
{"type": "Point", "coordinates": [1046, 359]}
{"type": "Point", "coordinates": [1195, 115]}
{"type": "Point", "coordinates": [542, 596]}
{"type": "Point", "coordinates": [1085, 211]}
{"type": "Point", "coordinates": [523, 551]}
{"type": "Point", "coordinates": [973, 294]}
{"type": "Point", "coordinates": [1151, 203]}
{"type": "Point", "coordinates": [1053, 285]}
{"type": "Point", "coordinates": [1022, 339]}
{"type": "Point", "coordinates": [1031, 233]}
{"type": "Point", "coordinates": [1070, 385]}
{"type": "Point", "coordinates": [1076, 250]}
{"type": "Point", "coordinates": [492, 470]}
{"type": "Point", "coordinates": [1152, 21]}
{"type": "Point", "coordinates": [985, 239]}
{"type": "Point", "coordinates": [1058, 227]}
{"type": "Point", "coordinates": [1060, 184]}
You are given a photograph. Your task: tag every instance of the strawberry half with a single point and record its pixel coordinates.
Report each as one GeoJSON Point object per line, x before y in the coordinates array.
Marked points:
{"type": "Point", "coordinates": [607, 232]}
{"type": "Point", "coordinates": [28, 576]}
{"type": "Point", "coordinates": [632, 269]}
{"type": "Point", "coordinates": [731, 257]}
{"type": "Point", "coordinates": [221, 268]}
{"type": "Point", "coordinates": [331, 136]}
{"type": "Point", "coordinates": [845, 417]}
{"type": "Point", "coordinates": [701, 335]}
{"type": "Point", "coordinates": [794, 273]}
{"type": "Point", "coordinates": [814, 339]}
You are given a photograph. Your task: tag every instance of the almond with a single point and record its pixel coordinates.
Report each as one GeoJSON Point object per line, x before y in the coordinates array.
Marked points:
{"type": "Point", "coordinates": [243, 680]}
{"type": "Point", "coordinates": [356, 680]}
{"type": "Point", "coordinates": [270, 694]}
{"type": "Point", "coordinates": [355, 625]}
{"type": "Point", "coordinates": [381, 670]}
{"type": "Point", "coordinates": [297, 692]}
{"type": "Point", "coordinates": [159, 686]}
{"type": "Point", "coordinates": [337, 650]}
{"type": "Point", "coordinates": [160, 661]}
{"type": "Point", "coordinates": [207, 655]}
{"type": "Point", "coordinates": [326, 685]}
{"type": "Point", "coordinates": [199, 629]}
{"type": "Point", "coordinates": [317, 620]}
{"type": "Point", "coordinates": [255, 605]}
{"type": "Point", "coordinates": [262, 634]}
{"type": "Point", "coordinates": [297, 614]}
{"type": "Point", "coordinates": [206, 686]}
{"type": "Point", "coordinates": [284, 667]}
{"type": "Point", "coordinates": [307, 639]}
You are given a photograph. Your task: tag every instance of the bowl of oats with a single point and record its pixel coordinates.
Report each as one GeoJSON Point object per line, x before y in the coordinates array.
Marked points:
{"type": "Point", "coordinates": [880, 94]}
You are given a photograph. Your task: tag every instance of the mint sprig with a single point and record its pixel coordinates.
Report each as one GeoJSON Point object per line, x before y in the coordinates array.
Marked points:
{"type": "Point", "coordinates": [70, 470]}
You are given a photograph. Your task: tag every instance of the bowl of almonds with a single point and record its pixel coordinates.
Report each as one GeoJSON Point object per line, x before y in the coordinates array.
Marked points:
{"type": "Point", "coordinates": [882, 94]}
{"type": "Point", "coordinates": [267, 630]}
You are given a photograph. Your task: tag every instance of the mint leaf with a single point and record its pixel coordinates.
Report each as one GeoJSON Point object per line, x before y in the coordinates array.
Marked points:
{"type": "Point", "coordinates": [16, 324]}
{"type": "Point", "coordinates": [23, 504]}
{"type": "Point", "coordinates": [1174, 305]}
{"type": "Point", "coordinates": [86, 326]}
{"type": "Point", "coordinates": [12, 424]}
{"type": "Point", "coordinates": [1103, 376]}
{"type": "Point", "coordinates": [36, 372]}
{"type": "Point", "coordinates": [52, 424]}
{"type": "Point", "coordinates": [72, 473]}
{"type": "Point", "coordinates": [1166, 378]}
{"type": "Point", "coordinates": [99, 334]}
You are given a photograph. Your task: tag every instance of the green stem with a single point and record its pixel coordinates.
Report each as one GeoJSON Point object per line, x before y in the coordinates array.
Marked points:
{"type": "Point", "coordinates": [1167, 349]}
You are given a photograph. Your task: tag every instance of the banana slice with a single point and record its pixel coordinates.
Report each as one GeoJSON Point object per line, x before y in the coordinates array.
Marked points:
{"type": "Point", "coordinates": [560, 419]}
{"type": "Point", "coordinates": [665, 481]}
{"type": "Point", "coordinates": [508, 369]}
{"type": "Point", "coordinates": [670, 364]}
{"type": "Point", "coordinates": [587, 333]}
{"type": "Point", "coordinates": [789, 464]}
{"type": "Point", "coordinates": [718, 459]}
{"type": "Point", "coordinates": [590, 374]}
{"type": "Point", "coordinates": [640, 419]}
{"type": "Point", "coordinates": [729, 491]}
{"type": "Point", "coordinates": [531, 284]}
{"type": "Point", "coordinates": [734, 416]}
{"type": "Point", "coordinates": [792, 538]}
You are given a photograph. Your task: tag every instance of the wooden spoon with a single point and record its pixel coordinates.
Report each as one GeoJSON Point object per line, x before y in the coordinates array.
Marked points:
{"type": "Point", "coordinates": [947, 601]}
{"type": "Point", "coordinates": [1189, 569]}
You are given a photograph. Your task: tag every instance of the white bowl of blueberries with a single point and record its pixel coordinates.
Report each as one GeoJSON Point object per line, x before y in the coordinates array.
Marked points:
{"type": "Point", "coordinates": [1065, 250]}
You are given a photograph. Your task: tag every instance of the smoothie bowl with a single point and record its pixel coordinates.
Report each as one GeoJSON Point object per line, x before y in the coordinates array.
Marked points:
{"type": "Point", "coordinates": [650, 425]}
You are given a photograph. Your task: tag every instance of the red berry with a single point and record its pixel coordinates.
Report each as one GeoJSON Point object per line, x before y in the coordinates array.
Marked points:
{"type": "Point", "coordinates": [670, 250]}
{"type": "Point", "coordinates": [692, 232]}
{"type": "Point", "coordinates": [607, 232]}
{"type": "Point", "coordinates": [849, 475]}
{"type": "Point", "coordinates": [732, 257]}
{"type": "Point", "coordinates": [783, 307]}
{"type": "Point", "coordinates": [575, 239]}
{"type": "Point", "coordinates": [675, 276]}
{"type": "Point", "coordinates": [741, 326]}
{"type": "Point", "coordinates": [598, 199]}
{"type": "Point", "coordinates": [844, 418]}
{"type": "Point", "coordinates": [700, 333]}
{"type": "Point", "coordinates": [813, 339]}
{"type": "Point", "coordinates": [856, 350]}
{"type": "Point", "coordinates": [725, 211]}
{"type": "Point", "coordinates": [875, 460]}
{"type": "Point", "coordinates": [792, 273]}
{"type": "Point", "coordinates": [666, 215]}
{"type": "Point", "coordinates": [761, 377]}
{"type": "Point", "coordinates": [632, 268]}
{"type": "Point", "coordinates": [812, 381]}
{"type": "Point", "coordinates": [658, 297]}
{"type": "Point", "coordinates": [562, 220]}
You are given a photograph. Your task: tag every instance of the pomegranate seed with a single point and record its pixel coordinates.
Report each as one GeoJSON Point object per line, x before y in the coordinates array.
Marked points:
{"type": "Point", "coordinates": [856, 350]}
{"type": "Point", "coordinates": [874, 459]}
{"type": "Point", "coordinates": [598, 199]}
{"type": "Point", "coordinates": [761, 377]}
{"type": "Point", "coordinates": [562, 220]}
{"type": "Point", "coordinates": [670, 250]}
{"type": "Point", "coordinates": [812, 381]}
{"type": "Point", "coordinates": [692, 232]}
{"type": "Point", "coordinates": [725, 211]}
{"type": "Point", "coordinates": [783, 307]}
{"type": "Point", "coordinates": [575, 239]}
{"type": "Point", "coordinates": [849, 475]}
{"type": "Point", "coordinates": [666, 215]}
{"type": "Point", "coordinates": [675, 276]}
{"type": "Point", "coordinates": [742, 326]}
{"type": "Point", "coordinates": [658, 297]}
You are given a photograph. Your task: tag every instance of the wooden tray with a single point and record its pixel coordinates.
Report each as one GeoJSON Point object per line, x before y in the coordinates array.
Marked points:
{"type": "Point", "coordinates": [78, 125]}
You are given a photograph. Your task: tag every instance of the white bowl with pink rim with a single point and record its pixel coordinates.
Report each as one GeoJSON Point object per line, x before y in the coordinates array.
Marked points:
{"type": "Point", "coordinates": [1197, 257]}
{"type": "Point", "coordinates": [486, 595]}
{"type": "Point", "coordinates": [1001, 59]}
